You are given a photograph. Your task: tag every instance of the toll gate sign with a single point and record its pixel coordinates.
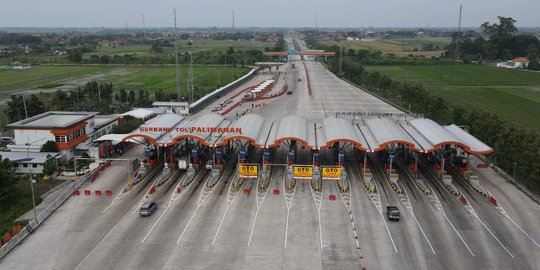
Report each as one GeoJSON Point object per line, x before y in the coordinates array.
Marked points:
{"type": "Point", "coordinates": [303, 172]}
{"type": "Point", "coordinates": [331, 172]}
{"type": "Point", "coordinates": [248, 171]}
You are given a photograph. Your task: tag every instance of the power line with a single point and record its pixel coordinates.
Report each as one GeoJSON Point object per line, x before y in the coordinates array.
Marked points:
{"type": "Point", "coordinates": [458, 38]}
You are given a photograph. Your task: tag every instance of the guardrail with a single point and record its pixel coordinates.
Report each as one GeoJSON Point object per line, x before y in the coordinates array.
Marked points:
{"type": "Point", "coordinates": [202, 102]}
{"type": "Point", "coordinates": [34, 224]}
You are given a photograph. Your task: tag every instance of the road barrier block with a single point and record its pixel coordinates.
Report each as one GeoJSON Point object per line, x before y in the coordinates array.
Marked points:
{"type": "Point", "coordinates": [87, 192]}
{"type": "Point", "coordinates": [98, 192]}
{"type": "Point", "coordinates": [463, 200]}
{"type": "Point", "coordinates": [178, 190]}
{"type": "Point", "coordinates": [152, 190]}
{"type": "Point", "coordinates": [7, 237]}
{"type": "Point", "coordinates": [332, 197]}
{"type": "Point", "coordinates": [246, 191]}
{"type": "Point", "coordinates": [493, 201]}
{"type": "Point", "coordinates": [276, 191]}
{"type": "Point", "coordinates": [108, 192]}
{"type": "Point", "coordinates": [76, 193]}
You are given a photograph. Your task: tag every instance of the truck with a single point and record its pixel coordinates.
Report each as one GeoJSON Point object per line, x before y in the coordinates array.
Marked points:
{"type": "Point", "coordinates": [392, 212]}
{"type": "Point", "coordinates": [183, 163]}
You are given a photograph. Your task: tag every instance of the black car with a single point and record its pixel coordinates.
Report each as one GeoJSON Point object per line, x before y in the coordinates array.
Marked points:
{"type": "Point", "coordinates": [289, 92]}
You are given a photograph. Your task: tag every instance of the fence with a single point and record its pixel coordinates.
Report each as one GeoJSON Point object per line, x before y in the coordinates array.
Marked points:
{"type": "Point", "coordinates": [30, 227]}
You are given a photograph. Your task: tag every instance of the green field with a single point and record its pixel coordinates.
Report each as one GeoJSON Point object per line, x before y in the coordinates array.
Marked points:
{"type": "Point", "coordinates": [512, 94]}
{"type": "Point", "coordinates": [13, 80]}
{"type": "Point", "coordinates": [399, 47]}
{"type": "Point", "coordinates": [197, 45]}
{"type": "Point", "coordinates": [67, 77]}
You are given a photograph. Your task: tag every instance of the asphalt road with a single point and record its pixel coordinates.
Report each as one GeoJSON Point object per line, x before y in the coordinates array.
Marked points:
{"type": "Point", "coordinates": [228, 228]}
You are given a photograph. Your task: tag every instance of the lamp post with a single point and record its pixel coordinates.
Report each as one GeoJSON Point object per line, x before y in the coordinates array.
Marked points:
{"type": "Point", "coordinates": [515, 168]}
{"type": "Point", "coordinates": [31, 180]}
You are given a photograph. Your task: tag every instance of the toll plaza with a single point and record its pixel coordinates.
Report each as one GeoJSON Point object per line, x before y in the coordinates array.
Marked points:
{"type": "Point", "coordinates": [313, 150]}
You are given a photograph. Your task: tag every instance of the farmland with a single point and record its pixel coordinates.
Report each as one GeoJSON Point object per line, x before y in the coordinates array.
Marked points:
{"type": "Point", "coordinates": [512, 94]}
{"type": "Point", "coordinates": [399, 47]}
{"type": "Point", "coordinates": [41, 78]}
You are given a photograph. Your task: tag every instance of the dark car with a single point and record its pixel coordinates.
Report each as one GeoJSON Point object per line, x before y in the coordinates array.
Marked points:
{"type": "Point", "coordinates": [392, 212]}
{"type": "Point", "coordinates": [147, 208]}
{"type": "Point", "coordinates": [289, 92]}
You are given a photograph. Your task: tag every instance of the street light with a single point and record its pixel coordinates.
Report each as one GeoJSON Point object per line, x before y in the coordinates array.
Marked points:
{"type": "Point", "coordinates": [31, 181]}
{"type": "Point", "coordinates": [515, 168]}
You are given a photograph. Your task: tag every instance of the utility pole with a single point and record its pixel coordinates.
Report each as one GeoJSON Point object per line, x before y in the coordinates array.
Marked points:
{"type": "Point", "coordinates": [233, 21]}
{"type": "Point", "coordinates": [458, 38]}
{"type": "Point", "coordinates": [191, 87]}
{"type": "Point", "coordinates": [24, 103]}
{"type": "Point", "coordinates": [176, 59]}
{"type": "Point", "coordinates": [127, 32]}
{"type": "Point", "coordinates": [144, 26]}
{"type": "Point", "coordinates": [341, 61]}
{"type": "Point", "coordinates": [317, 21]}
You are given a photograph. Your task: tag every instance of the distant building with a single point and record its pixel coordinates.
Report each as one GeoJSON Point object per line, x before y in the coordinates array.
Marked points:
{"type": "Point", "coordinates": [72, 131]}
{"type": "Point", "coordinates": [174, 107]}
{"type": "Point", "coordinates": [140, 113]}
{"type": "Point", "coordinates": [33, 162]}
{"type": "Point", "coordinates": [520, 62]}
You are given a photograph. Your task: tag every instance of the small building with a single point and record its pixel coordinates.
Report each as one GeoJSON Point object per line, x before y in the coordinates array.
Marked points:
{"type": "Point", "coordinates": [520, 62]}
{"type": "Point", "coordinates": [67, 129]}
{"type": "Point", "coordinates": [24, 162]}
{"type": "Point", "coordinates": [140, 113]}
{"type": "Point", "coordinates": [173, 107]}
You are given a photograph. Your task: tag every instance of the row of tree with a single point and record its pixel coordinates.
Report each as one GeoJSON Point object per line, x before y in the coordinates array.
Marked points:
{"type": "Point", "coordinates": [500, 41]}
{"type": "Point", "coordinates": [512, 143]}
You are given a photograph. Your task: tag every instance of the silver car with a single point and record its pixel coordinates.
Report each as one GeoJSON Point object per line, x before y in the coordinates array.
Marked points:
{"type": "Point", "coordinates": [147, 208]}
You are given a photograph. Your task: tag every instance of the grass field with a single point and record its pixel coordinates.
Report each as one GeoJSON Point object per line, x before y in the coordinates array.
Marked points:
{"type": "Point", "coordinates": [198, 45]}
{"type": "Point", "coordinates": [14, 80]}
{"type": "Point", "coordinates": [164, 77]}
{"type": "Point", "coordinates": [399, 47]}
{"type": "Point", "coordinates": [512, 94]}
{"type": "Point", "coordinates": [51, 78]}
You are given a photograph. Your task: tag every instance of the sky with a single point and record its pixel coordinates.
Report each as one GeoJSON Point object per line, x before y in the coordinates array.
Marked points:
{"type": "Point", "coordinates": [268, 13]}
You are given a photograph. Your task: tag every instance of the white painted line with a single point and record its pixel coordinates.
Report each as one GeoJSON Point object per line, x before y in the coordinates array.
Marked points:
{"type": "Point", "coordinates": [231, 196]}
{"type": "Point", "coordinates": [199, 203]}
{"type": "Point", "coordinates": [459, 235]}
{"type": "Point", "coordinates": [507, 251]}
{"type": "Point", "coordinates": [153, 226]}
{"type": "Point", "coordinates": [418, 223]}
{"type": "Point", "coordinates": [259, 205]}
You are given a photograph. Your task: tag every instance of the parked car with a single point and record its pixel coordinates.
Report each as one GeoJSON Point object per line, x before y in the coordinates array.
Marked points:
{"type": "Point", "coordinates": [289, 92]}
{"type": "Point", "coordinates": [299, 79]}
{"type": "Point", "coordinates": [147, 208]}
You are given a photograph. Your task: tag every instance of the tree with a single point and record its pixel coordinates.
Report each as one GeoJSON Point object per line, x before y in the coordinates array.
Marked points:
{"type": "Point", "coordinates": [123, 95]}
{"type": "Point", "coordinates": [75, 55]}
{"type": "Point", "coordinates": [156, 47]}
{"type": "Point", "coordinates": [50, 166]}
{"type": "Point", "coordinates": [131, 96]}
{"type": "Point", "coordinates": [505, 27]}
{"type": "Point", "coordinates": [8, 193]}
{"type": "Point", "coordinates": [49, 146]}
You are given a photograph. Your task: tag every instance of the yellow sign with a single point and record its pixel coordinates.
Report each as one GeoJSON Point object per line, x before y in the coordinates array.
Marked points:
{"type": "Point", "coordinates": [331, 172]}
{"type": "Point", "coordinates": [248, 170]}
{"type": "Point", "coordinates": [303, 171]}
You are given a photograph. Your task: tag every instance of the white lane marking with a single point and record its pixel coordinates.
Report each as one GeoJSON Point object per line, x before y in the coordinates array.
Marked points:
{"type": "Point", "coordinates": [416, 220]}
{"type": "Point", "coordinates": [504, 213]}
{"type": "Point", "coordinates": [202, 198]}
{"type": "Point", "coordinates": [376, 200]}
{"type": "Point", "coordinates": [260, 200]}
{"type": "Point", "coordinates": [231, 196]}
{"type": "Point", "coordinates": [434, 199]}
{"type": "Point", "coordinates": [508, 216]}
{"type": "Point", "coordinates": [167, 208]}
{"type": "Point", "coordinates": [470, 209]}
{"type": "Point", "coordinates": [317, 198]}
{"type": "Point", "coordinates": [289, 197]}
{"type": "Point", "coordinates": [147, 194]}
